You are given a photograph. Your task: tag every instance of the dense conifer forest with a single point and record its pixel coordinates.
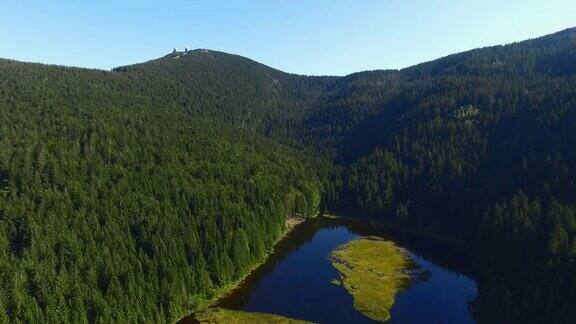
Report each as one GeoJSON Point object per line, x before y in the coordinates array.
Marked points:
{"type": "Point", "coordinates": [137, 194]}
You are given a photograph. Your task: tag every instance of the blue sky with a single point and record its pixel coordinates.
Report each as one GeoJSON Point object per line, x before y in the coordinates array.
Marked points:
{"type": "Point", "coordinates": [299, 36]}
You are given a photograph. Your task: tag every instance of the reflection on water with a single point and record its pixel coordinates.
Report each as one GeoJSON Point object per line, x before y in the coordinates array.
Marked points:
{"type": "Point", "coordinates": [296, 280]}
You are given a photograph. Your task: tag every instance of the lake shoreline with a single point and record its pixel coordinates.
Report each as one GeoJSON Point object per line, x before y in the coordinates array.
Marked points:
{"type": "Point", "coordinates": [438, 239]}
{"type": "Point", "coordinates": [291, 224]}
{"type": "Point", "coordinates": [225, 296]}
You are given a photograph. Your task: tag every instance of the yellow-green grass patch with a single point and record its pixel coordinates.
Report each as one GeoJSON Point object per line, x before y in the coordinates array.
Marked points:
{"type": "Point", "coordinates": [228, 316]}
{"type": "Point", "coordinates": [373, 271]}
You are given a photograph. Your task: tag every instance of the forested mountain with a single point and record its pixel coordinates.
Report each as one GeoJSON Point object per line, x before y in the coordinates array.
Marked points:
{"type": "Point", "coordinates": [117, 203]}
{"type": "Point", "coordinates": [478, 147]}
{"type": "Point", "coordinates": [138, 193]}
{"type": "Point", "coordinates": [231, 89]}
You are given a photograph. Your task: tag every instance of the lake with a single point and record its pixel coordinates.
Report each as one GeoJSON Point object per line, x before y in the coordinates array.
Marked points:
{"type": "Point", "coordinates": [296, 280]}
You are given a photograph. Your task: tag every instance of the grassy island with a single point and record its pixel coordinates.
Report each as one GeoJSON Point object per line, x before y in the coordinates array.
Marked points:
{"type": "Point", "coordinates": [228, 316]}
{"type": "Point", "coordinates": [373, 271]}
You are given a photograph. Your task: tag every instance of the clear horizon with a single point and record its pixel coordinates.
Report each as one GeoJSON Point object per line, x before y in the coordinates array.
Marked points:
{"type": "Point", "coordinates": [319, 38]}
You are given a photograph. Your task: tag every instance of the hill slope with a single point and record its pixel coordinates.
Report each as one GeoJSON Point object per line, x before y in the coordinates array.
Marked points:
{"type": "Point", "coordinates": [476, 146]}
{"type": "Point", "coordinates": [111, 193]}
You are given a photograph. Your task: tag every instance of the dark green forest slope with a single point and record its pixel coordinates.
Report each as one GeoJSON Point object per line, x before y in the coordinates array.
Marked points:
{"type": "Point", "coordinates": [117, 205]}
{"type": "Point", "coordinates": [135, 194]}
{"type": "Point", "coordinates": [478, 147]}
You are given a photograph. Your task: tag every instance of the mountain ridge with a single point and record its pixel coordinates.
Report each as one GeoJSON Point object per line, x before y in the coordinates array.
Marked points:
{"type": "Point", "coordinates": [568, 32]}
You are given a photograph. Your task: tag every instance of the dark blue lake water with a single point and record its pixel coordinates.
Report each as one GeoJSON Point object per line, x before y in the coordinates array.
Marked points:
{"type": "Point", "coordinates": [296, 280]}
